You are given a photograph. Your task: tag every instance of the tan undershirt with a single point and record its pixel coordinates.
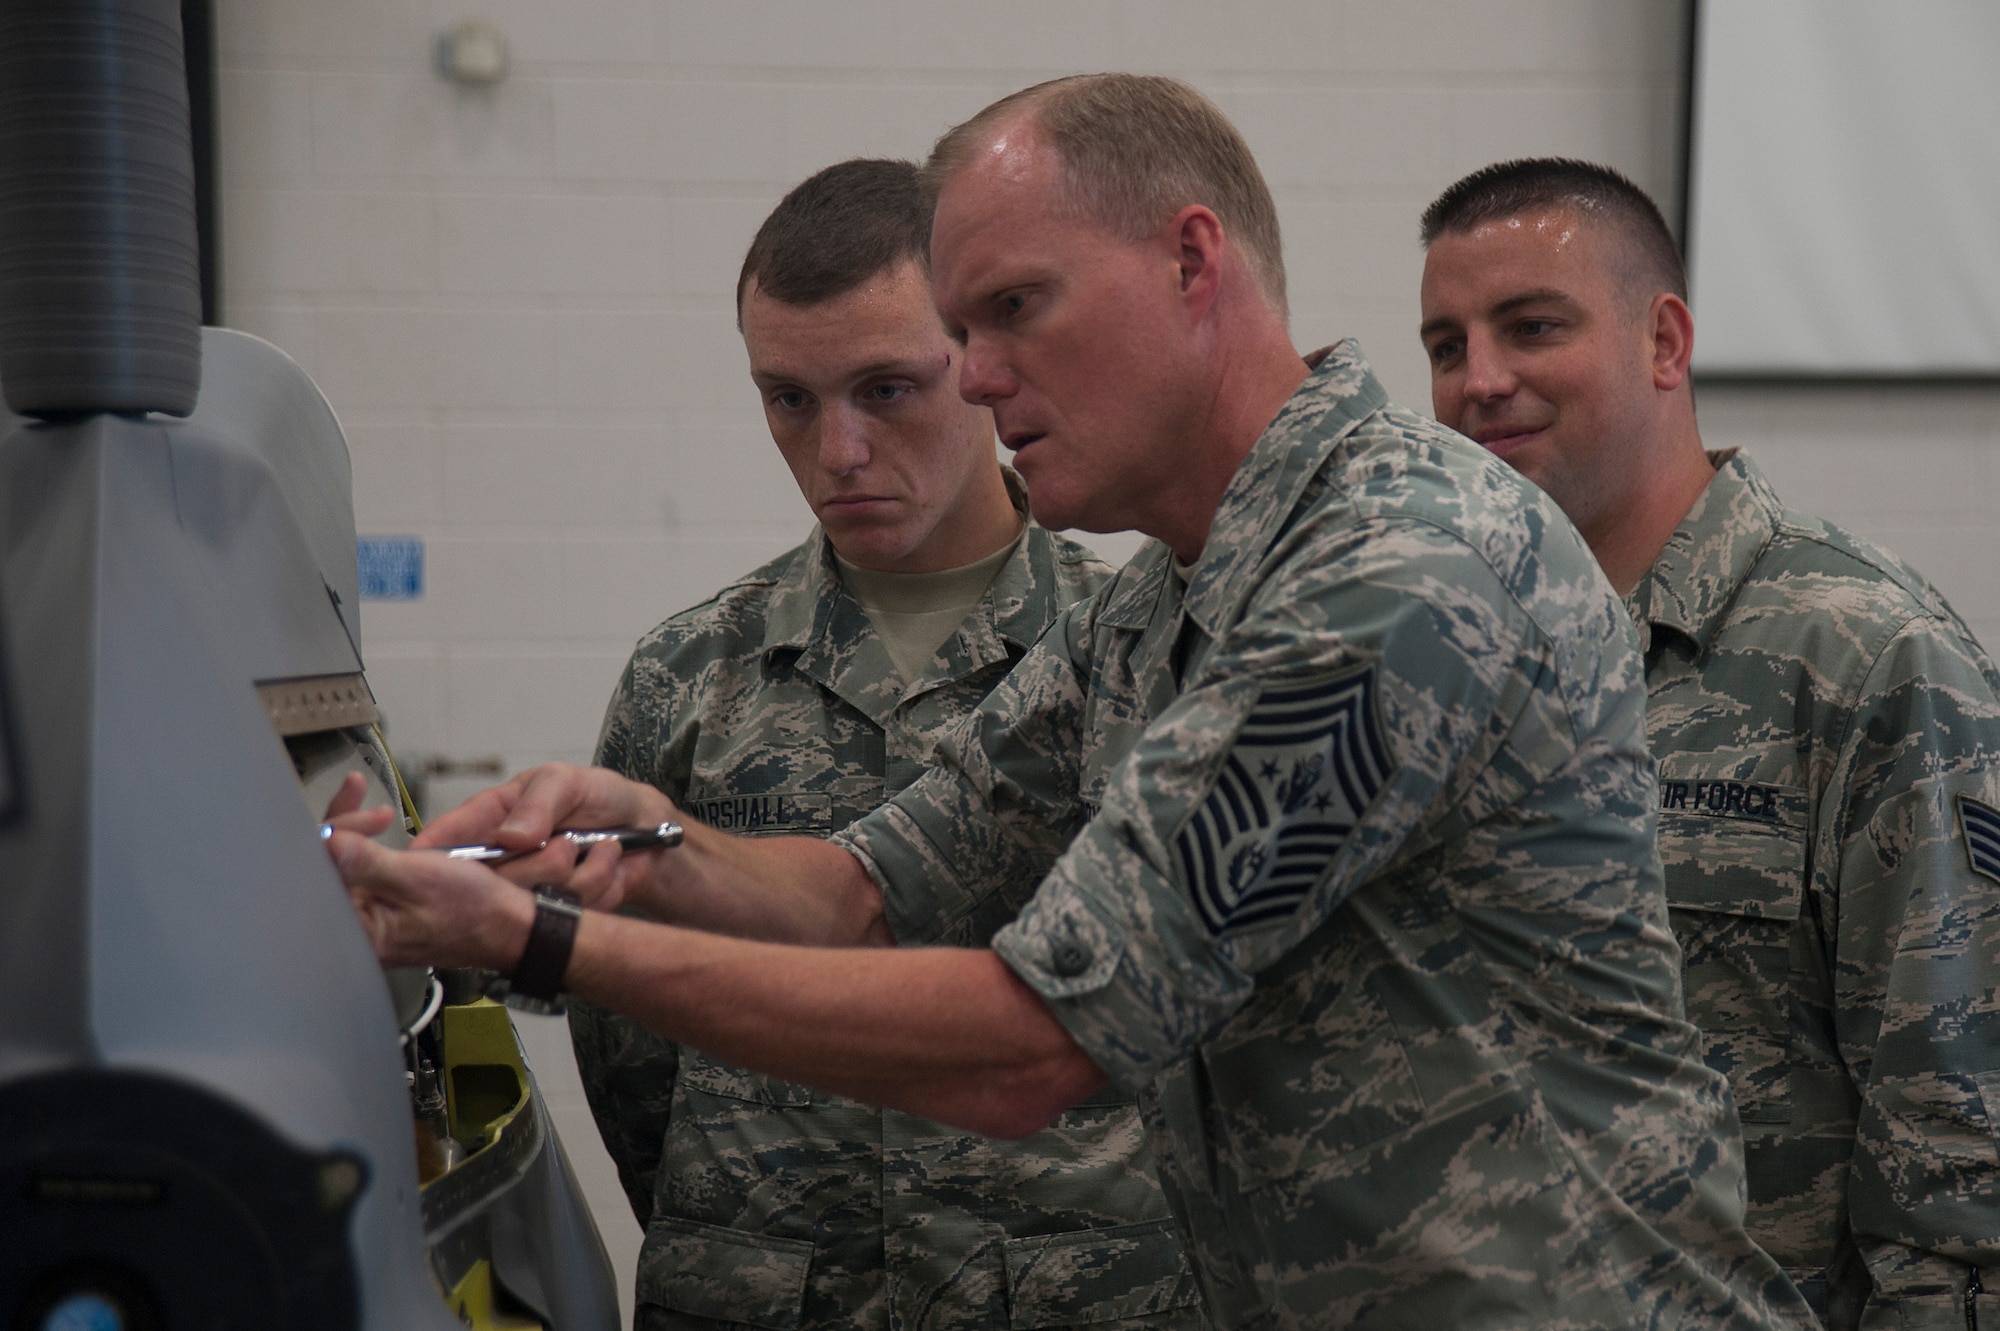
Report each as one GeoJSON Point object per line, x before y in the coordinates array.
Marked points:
{"type": "Point", "coordinates": [916, 612]}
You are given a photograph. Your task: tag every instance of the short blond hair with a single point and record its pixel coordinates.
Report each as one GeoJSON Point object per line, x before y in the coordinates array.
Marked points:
{"type": "Point", "coordinates": [1136, 149]}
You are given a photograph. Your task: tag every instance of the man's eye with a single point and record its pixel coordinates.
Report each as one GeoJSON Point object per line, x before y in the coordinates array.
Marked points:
{"type": "Point", "coordinates": [789, 400]}
{"type": "Point", "coordinates": [1445, 350]}
{"type": "Point", "coordinates": [887, 392]}
{"type": "Point", "coordinates": [1535, 327]}
{"type": "Point", "coordinates": [1013, 303]}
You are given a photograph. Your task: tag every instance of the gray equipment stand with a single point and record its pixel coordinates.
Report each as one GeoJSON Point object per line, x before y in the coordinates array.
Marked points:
{"type": "Point", "coordinates": [203, 1109]}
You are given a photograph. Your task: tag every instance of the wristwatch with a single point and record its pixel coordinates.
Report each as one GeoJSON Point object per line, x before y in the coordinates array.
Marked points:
{"type": "Point", "coordinates": [537, 980]}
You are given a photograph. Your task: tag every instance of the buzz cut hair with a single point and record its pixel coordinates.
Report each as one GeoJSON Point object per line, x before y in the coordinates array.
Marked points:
{"type": "Point", "coordinates": [835, 230]}
{"type": "Point", "coordinates": [1593, 192]}
{"type": "Point", "coordinates": [1134, 150]}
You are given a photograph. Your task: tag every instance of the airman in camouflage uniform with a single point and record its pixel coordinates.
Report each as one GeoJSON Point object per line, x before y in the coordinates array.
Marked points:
{"type": "Point", "coordinates": [773, 708]}
{"type": "Point", "coordinates": [1367, 909]}
{"type": "Point", "coordinates": [780, 706]}
{"type": "Point", "coordinates": [1828, 735]}
{"type": "Point", "coordinates": [1829, 742]}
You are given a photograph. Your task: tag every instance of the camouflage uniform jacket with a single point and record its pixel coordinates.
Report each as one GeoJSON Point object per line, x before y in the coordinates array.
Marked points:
{"type": "Point", "coordinates": [774, 708]}
{"type": "Point", "coordinates": [1828, 736]}
{"type": "Point", "coordinates": [1344, 858]}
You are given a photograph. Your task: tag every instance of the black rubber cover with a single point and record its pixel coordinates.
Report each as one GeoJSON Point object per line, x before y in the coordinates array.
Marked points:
{"type": "Point", "coordinates": [177, 1206]}
{"type": "Point", "coordinates": [100, 264]}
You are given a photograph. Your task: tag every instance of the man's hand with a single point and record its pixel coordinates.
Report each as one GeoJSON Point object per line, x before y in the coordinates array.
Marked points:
{"type": "Point", "coordinates": [421, 908]}
{"type": "Point", "coordinates": [344, 812]}
{"type": "Point", "coordinates": [527, 811]}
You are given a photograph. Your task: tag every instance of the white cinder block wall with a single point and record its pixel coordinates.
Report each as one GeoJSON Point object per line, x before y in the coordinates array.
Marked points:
{"type": "Point", "coordinates": [518, 298]}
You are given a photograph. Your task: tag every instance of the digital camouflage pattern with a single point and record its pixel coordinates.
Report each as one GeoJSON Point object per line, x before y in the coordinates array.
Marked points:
{"type": "Point", "coordinates": [1819, 715]}
{"type": "Point", "coordinates": [1344, 858]}
{"type": "Point", "coordinates": [774, 708]}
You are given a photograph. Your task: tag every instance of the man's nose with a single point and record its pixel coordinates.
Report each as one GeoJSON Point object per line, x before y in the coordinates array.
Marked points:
{"type": "Point", "coordinates": [843, 440]}
{"type": "Point", "coordinates": [985, 378]}
{"type": "Point", "coordinates": [1487, 374]}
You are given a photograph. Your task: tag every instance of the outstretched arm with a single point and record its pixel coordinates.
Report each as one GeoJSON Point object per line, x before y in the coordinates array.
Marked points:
{"type": "Point", "coordinates": [948, 1033]}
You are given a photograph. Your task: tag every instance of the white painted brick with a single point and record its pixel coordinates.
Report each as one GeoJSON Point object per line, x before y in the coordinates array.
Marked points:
{"type": "Point", "coordinates": [646, 360]}
{"type": "Point", "coordinates": [507, 701]}
{"type": "Point", "coordinates": [488, 359]}
{"type": "Point", "coordinates": [609, 129]}
{"type": "Point", "coordinates": [553, 245]}
{"type": "Point", "coordinates": [330, 240]}
{"type": "Point", "coordinates": [1498, 37]}
{"type": "Point", "coordinates": [1194, 37]}
{"type": "Point", "coordinates": [777, 33]}
{"type": "Point", "coordinates": [388, 357]}
{"type": "Point", "coordinates": [397, 476]}
{"type": "Point", "coordinates": [505, 132]}
{"type": "Point", "coordinates": [494, 590]}
{"type": "Point", "coordinates": [409, 683]}
{"type": "Point", "coordinates": [401, 625]}
{"type": "Point", "coordinates": [376, 32]}
{"type": "Point", "coordinates": [419, 124]}
{"type": "Point", "coordinates": [720, 131]}
{"type": "Point", "coordinates": [707, 238]}
{"type": "Point", "coordinates": [263, 125]}
{"type": "Point", "coordinates": [828, 123]}
{"type": "Point", "coordinates": [621, 589]}
{"type": "Point", "coordinates": [1848, 476]}
{"type": "Point", "coordinates": [367, 357]}
{"type": "Point", "coordinates": [1038, 37]}
{"type": "Point", "coordinates": [559, 476]}
{"type": "Point", "coordinates": [1608, 125]}
{"type": "Point", "coordinates": [727, 474]}
{"type": "Point", "coordinates": [1346, 138]}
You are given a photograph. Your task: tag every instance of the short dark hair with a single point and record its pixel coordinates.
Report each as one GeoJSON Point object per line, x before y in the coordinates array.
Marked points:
{"type": "Point", "coordinates": [1508, 189]}
{"type": "Point", "coordinates": [835, 230]}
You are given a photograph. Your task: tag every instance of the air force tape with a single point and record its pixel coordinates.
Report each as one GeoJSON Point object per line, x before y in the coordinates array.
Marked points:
{"type": "Point", "coordinates": [1981, 825]}
{"type": "Point", "coordinates": [1307, 762]}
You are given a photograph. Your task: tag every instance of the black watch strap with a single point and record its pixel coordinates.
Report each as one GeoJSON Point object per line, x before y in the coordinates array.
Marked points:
{"type": "Point", "coordinates": [545, 960]}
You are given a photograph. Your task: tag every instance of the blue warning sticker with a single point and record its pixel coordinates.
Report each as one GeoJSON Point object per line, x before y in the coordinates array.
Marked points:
{"type": "Point", "coordinates": [392, 567]}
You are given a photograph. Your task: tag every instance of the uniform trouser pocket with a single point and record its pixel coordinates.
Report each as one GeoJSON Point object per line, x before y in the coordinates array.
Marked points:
{"type": "Point", "coordinates": [725, 1274]}
{"type": "Point", "coordinates": [1096, 1275]}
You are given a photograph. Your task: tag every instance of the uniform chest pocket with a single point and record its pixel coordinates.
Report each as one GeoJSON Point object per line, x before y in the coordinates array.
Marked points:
{"type": "Point", "coordinates": [699, 1072]}
{"type": "Point", "coordinates": [1735, 885]}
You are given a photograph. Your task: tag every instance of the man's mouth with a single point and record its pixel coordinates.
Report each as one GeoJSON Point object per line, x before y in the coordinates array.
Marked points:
{"type": "Point", "coordinates": [1501, 440]}
{"type": "Point", "coordinates": [1014, 443]}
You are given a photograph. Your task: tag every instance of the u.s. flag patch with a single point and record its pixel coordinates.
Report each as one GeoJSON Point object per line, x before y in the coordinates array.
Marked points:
{"type": "Point", "coordinates": [1981, 825]}
{"type": "Point", "coordinates": [1306, 764]}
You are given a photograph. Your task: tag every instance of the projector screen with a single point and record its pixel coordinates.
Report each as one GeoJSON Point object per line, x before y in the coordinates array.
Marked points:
{"type": "Point", "coordinates": [1844, 188]}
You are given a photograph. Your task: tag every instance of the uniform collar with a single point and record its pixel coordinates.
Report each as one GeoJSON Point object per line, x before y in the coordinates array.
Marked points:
{"type": "Point", "coordinates": [1694, 581]}
{"type": "Point", "coordinates": [809, 612]}
{"type": "Point", "coordinates": [1339, 393]}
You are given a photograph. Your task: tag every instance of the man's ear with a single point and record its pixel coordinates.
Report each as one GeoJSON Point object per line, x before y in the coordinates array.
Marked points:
{"type": "Point", "coordinates": [1671, 325]}
{"type": "Point", "coordinates": [1199, 244]}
